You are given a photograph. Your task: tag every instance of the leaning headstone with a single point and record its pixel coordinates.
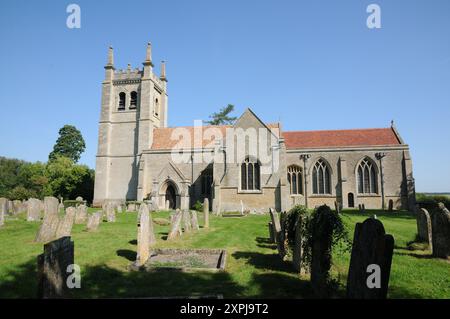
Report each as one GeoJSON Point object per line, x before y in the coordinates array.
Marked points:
{"type": "Point", "coordinates": [66, 223]}
{"type": "Point", "coordinates": [441, 232]}
{"type": "Point", "coordinates": [143, 237]}
{"type": "Point", "coordinates": [175, 230]}
{"type": "Point", "coordinates": [93, 221]}
{"type": "Point", "coordinates": [423, 220]}
{"type": "Point", "coordinates": [143, 208]}
{"type": "Point", "coordinates": [279, 238]}
{"type": "Point", "coordinates": [110, 213]}
{"type": "Point", "coordinates": [187, 221]}
{"type": "Point", "coordinates": [47, 231]}
{"type": "Point", "coordinates": [3, 209]}
{"type": "Point", "coordinates": [271, 232]}
{"type": "Point", "coordinates": [51, 205]}
{"type": "Point", "coordinates": [81, 214]}
{"type": "Point", "coordinates": [194, 221]}
{"type": "Point", "coordinates": [34, 210]}
{"type": "Point", "coordinates": [206, 212]}
{"type": "Point", "coordinates": [52, 268]}
{"type": "Point", "coordinates": [370, 262]}
{"type": "Point", "coordinates": [297, 253]}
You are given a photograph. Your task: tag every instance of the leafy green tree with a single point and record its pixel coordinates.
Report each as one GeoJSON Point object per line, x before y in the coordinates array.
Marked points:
{"type": "Point", "coordinates": [70, 144]}
{"type": "Point", "coordinates": [222, 117]}
{"type": "Point", "coordinates": [9, 168]}
{"type": "Point", "coordinates": [68, 180]}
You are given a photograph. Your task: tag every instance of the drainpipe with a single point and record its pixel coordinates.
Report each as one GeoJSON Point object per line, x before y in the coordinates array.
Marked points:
{"type": "Point", "coordinates": [305, 158]}
{"type": "Point", "coordinates": [380, 157]}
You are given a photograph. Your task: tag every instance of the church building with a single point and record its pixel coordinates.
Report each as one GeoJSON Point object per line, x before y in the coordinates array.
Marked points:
{"type": "Point", "coordinates": [249, 165]}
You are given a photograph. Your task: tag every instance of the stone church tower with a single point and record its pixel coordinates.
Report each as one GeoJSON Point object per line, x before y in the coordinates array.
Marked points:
{"type": "Point", "coordinates": [134, 102]}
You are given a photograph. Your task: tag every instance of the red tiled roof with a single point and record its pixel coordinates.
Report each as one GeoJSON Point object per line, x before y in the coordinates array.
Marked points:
{"type": "Point", "coordinates": [167, 138]}
{"type": "Point", "coordinates": [340, 138]}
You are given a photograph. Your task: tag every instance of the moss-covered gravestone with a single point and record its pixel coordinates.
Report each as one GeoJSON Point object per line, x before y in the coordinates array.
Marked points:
{"type": "Point", "coordinates": [441, 232]}
{"type": "Point", "coordinates": [53, 268]}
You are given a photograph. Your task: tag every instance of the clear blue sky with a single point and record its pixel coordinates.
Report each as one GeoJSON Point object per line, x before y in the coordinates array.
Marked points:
{"type": "Point", "coordinates": [311, 64]}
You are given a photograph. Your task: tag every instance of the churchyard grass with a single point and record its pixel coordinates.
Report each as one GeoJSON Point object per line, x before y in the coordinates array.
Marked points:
{"type": "Point", "coordinates": [253, 267]}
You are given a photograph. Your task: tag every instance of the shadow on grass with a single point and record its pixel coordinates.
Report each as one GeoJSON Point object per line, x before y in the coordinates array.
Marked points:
{"type": "Point", "coordinates": [265, 243]}
{"type": "Point", "coordinates": [133, 242]}
{"type": "Point", "coordinates": [127, 254]}
{"type": "Point", "coordinates": [265, 261]}
{"type": "Point", "coordinates": [273, 286]}
{"type": "Point", "coordinates": [381, 213]}
{"type": "Point", "coordinates": [101, 281]}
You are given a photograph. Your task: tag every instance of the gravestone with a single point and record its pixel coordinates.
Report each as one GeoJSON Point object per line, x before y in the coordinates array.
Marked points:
{"type": "Point", "coordinates": [441, 232]}
{"type": "Point", "coordinates": [271, 232]}
{"type": "Point", "coordinates": [81, 214]}
{"type": "Point", "coordinates": [93, 221]}
{"type": "Point", "coordinates": [167, 206]}
{"type": "Point", "coordinates": [321, 252]}
{"type": "Point", "coordinates": [279, 238]}
{"type": "Point", "coordinates": [10, 208]}
{"type": "Point", "coordinates": [363, 210]}
{"type": "Point", "coordinates": [175, 230]}
{"type": "Point", "coordinates": [371, 252]}
{"type": "Point", "coordinates": [187, 221]}
{"type": "Point", "coordinates": [110, 213]}
{"type": "Point", "coordinates": [17, 207]}
{"type": "Point", "coordinates": [391, 205]}
{"type": "Point", "coordinates": [51, 205]}
{"type": "Point", "coordinates": [337, 208]}
{"type": "Point", "coordinates": [151, 232]}
{"type": "Point", "coordinates": [143, 236]}
{"type": "Point", "coordinates": [119, 208]}
{"type": "Point", "coordinates": [194, 221]}
{"type": "Point", "coordinates": [66, 223]}
{"type": "Point", "coordinates": [52, 268]}
{"type": "Point", "coordinates": [79, 199]}
{"type": "Point", "coordinates": [206, 212]}
{"type": "Point", "coordinates": [297, 253]}
{"type": "Point", "coordinates": [33, 210]}
{"type": "Point", "coordinates": [3, 209]}
{"type": "Point", "coordinates": [47, 231]}
{"type": "Point", "coordinates": [424, 226]}
{"type": "Point", "coordinates": [131, 207]}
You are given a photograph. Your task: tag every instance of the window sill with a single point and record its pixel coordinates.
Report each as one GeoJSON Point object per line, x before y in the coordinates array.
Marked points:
{"type": "Point", "coordinates": [368, 195]}
{"type": "Point", "coordinates": [257, 191]}
{"type": "Point", "coordinates": [321, 195]}
{"type": "Point", "coordinates": [297, 195]}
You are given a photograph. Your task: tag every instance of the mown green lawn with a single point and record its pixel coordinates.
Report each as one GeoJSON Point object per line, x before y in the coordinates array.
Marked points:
{"type": "Point", "coordinates": [253, 267]}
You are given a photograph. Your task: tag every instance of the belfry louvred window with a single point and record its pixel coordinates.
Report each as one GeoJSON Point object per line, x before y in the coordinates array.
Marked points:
{"type": "Point", "coordinates": [133, 100]}
{"type": "Point", "coordinates": [121, 101]}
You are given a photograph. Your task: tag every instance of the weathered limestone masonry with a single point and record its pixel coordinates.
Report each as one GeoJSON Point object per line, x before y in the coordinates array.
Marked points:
{"type": "Point", "coordinates": [370, 167]}
{"type": "Point", "coordinates": [3, 209]}
{"type": "Point", "coordinates": [372, 247]}
{"type": "Point", "coordinates": [94, 221]}
{"type": "Point", "coordinates": [278, 233]}
{"type": "Point", "coordinates": [143, 236]}
{"type": "Point", "coordinates": [194, 221]}
{"type": "Point", "coordinates": [175, 230]}
{"type": "Point", "coordinates": [441, 232]}
{"type": "Point", "coordinates": [81, 214]}
{"type": "Point", "coordinates": [206, 212]}
{"type": "Point", "coordinates": [424, 226]}
{"type": "Point", "coordinates": [33, 210]}
{"type": "Point", "coordinates": [52, 268]}
{"type": "Point", "coordinates": [66, 223]}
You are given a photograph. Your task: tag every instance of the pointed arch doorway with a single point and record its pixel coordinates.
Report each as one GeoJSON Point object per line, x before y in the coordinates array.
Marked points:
{"type": "Point", "coordinates": [171, 196]}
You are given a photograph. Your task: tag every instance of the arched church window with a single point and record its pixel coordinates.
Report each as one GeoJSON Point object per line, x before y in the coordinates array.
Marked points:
{"type": "Point", "coordinates": [295, 179]}
{"type": "Point", "coordinates": [133, 100]}
{"type": "Point", "coordinates": [321, 178]}
{"type": "Point", "coordinates": [250, 175]}
{"type": "Point", "coordinates": [367, 177]}
{"type": "Point", "coordinates": [121, 101]}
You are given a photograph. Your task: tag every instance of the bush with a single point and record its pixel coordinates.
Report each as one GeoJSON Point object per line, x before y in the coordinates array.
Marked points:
{"type": "Point", "coordinates": [198, 206]}
{"type": "Point", "coordinates": [72, 203]}
{"type": "Point", "coordinates": [430, 202]}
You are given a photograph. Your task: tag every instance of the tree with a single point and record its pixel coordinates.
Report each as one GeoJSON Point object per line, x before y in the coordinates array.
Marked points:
{"type": "Point", "coordinates": [221, 117]}
{"type": "Point", "coordinates": [70, 144]}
